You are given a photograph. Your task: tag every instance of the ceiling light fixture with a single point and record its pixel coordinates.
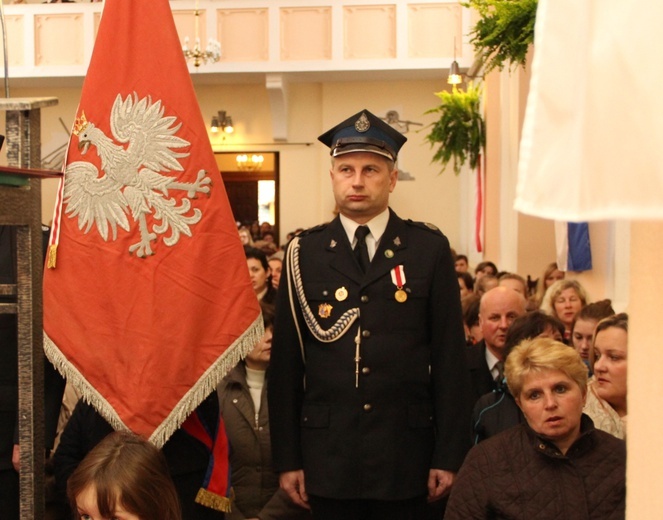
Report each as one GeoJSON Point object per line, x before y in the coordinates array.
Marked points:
{"type": "Point", "coordinates": [455, 77]}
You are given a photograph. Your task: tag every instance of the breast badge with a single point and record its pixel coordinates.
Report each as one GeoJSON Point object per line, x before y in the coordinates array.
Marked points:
{"type": "Point", "coordinates": [341, 294]}
{"type": "Point", "coordinates": [324, 310]}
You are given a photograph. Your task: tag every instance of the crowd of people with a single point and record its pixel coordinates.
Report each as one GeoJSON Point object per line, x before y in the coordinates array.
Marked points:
{"type": "Point", "coordinates": [389, 384]}
{"type": "Point", "coordinates": [547, 373]}
{"type": "Point", "coordinates": [546, 335]}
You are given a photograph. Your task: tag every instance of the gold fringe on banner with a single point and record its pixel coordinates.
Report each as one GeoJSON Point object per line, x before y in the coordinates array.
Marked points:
{"type": "Point", "coordinates": [204, 387]}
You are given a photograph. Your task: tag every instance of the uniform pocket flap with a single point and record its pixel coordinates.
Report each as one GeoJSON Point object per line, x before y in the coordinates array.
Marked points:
{"type": "Point", "coordinates": [317, 291]}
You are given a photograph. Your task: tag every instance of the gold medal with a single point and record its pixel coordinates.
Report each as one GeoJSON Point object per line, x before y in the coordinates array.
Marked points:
{"type": "Point", "coordinates": [400, 295]}
{"type": "Point", "coordinates": [324, 310]}
{"type": "Point", "coordinates": [341, 294]}
{"type": "Point", "coordinates": [398, 279]}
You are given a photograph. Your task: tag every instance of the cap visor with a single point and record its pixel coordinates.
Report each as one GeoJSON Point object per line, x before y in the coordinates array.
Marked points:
{"type": "Point", "coordinates": [362, 148]}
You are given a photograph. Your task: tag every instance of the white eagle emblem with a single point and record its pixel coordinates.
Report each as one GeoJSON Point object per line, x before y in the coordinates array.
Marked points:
{"type": "Point", "coordinates": [131, 182]}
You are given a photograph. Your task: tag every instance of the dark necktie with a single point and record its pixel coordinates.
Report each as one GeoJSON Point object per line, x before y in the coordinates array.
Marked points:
{"type": "Point", "coordinates": [361, 250]}
{"type": "Point", "coordinates": [500, 372]}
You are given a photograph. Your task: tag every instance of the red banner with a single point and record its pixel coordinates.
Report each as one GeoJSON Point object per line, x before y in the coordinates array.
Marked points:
{"type": "Point", "coordinates": [149, 303]}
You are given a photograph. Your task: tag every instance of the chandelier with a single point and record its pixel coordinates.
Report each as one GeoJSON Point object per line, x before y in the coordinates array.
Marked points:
{"type": "Point", "coordinates": [211, 54]}
{"type": "Point", "coordinates": [249, 164]}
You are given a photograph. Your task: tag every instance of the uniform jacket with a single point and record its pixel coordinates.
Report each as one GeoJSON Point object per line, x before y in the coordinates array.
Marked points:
{"type": "Point", "coordinates": [516, 475]}
{"type": "Point", "coordinates": [409, 412]}
{"type": "Point", "coordinates": [254, 481]}
{"type": "Point", "coordinates": [480, 375]}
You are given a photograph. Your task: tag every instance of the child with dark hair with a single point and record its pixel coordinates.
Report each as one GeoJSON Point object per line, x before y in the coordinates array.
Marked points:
{"type": "Point", "coordinates": [187, 457]}
{"type": "Point", "coordinates": [126, 477]}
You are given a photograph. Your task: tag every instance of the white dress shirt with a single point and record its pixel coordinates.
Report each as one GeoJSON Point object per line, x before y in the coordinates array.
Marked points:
{"type": "Point", "coordinates": [377, 226]}
{"type": "Point", "coordinates": [491, 361]}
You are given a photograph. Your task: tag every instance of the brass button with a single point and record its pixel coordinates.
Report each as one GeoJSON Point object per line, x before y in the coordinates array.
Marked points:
{"type": "Point", "coordinates": [364, 299]}
{"type": "Point", "coordinates": [365, 370]}
{"type": "Point", "coordinates": [366, 333]}
{"type": "Point", "coordinates": [367, 407]}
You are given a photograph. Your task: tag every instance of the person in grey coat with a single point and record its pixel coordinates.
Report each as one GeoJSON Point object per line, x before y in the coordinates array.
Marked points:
{"type": "Point", "coordinates": [243, 405]}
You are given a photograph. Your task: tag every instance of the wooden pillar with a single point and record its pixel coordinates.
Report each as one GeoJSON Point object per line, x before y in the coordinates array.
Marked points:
{"type": "Point", "coordinates": [20, 206]}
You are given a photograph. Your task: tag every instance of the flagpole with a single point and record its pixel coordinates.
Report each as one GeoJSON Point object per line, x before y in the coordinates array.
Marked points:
{"type": "Point", "coordinates": [4, 47]}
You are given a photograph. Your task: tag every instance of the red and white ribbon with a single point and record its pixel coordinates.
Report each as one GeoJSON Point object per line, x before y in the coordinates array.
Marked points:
{"type": "Point", "coordinates": [398, 276]}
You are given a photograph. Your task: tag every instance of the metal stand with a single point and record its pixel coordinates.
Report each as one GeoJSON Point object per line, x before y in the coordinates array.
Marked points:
{"type": "Point", "coordinates": [21, 207]}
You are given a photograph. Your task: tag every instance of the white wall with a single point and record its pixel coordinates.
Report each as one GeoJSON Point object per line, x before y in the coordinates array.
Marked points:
{"type": "Point", "coordinates": [305, 193]}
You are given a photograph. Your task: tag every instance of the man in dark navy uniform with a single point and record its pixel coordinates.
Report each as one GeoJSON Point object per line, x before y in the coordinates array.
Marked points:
{"type": "Point", "coordinates": [368, 383]}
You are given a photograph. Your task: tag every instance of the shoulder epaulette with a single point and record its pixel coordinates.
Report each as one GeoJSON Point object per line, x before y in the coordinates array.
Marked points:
{"type": "Point", "coordinates": [314, 229]}
{"type": "Point", "coordinates": [424, 225]}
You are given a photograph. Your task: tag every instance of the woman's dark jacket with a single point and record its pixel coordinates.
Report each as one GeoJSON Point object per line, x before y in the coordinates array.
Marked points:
{"type": "Point", "coordinates": [517, 475]}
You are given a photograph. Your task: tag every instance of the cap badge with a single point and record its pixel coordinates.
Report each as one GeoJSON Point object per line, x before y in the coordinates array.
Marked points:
{"type": "Point", "coordinates": [362, 124]}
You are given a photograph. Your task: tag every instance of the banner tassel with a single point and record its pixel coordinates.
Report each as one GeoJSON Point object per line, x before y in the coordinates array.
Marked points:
{"type": "Point", "coordinates": [52, 256]}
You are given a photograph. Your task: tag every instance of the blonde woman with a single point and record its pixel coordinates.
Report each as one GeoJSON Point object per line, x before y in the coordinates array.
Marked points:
{"type": "Point", "coordinates": [556, 464]}
{"type": "Point", "coordinates": [563, 300]}
{"type": "Point", "coordinates": [550, 275]}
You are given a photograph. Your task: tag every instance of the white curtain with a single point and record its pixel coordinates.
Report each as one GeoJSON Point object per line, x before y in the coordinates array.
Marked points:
{"type": "Point", "coordinates": [592, 140]}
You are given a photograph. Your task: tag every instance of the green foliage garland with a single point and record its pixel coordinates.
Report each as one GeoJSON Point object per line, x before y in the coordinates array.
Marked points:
{"type": "Point", "coordinates": [504, 32]}
{"type": "Point", "coordinates": [460, 131]}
